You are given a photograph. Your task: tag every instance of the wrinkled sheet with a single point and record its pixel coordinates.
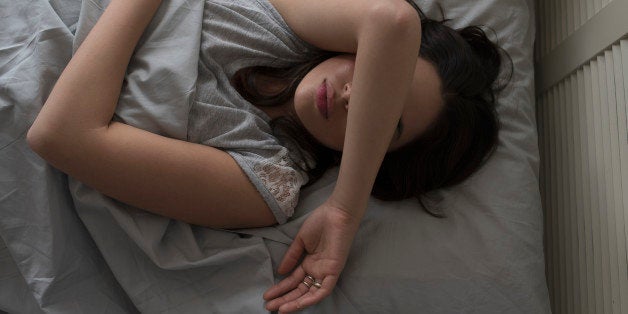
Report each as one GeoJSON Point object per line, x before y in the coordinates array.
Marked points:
{"type": "Point", "coordinates": [69, 249]}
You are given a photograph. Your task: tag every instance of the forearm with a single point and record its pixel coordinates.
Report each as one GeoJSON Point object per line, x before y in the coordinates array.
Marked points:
{"type": "Point", "coordinates": [85, 96]}
{"type": "Point", "coordinates": [384, 69]}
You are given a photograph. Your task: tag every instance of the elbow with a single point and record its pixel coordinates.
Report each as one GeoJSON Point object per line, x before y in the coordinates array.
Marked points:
{"type": "Point", "coordinates": [60, 144]}
{"type": "Point", "coordinates": [397, 18]}
{"type": "Point", "coordinates": [47, 141]}
{"type": "Point", "coordinates": [38, 139]}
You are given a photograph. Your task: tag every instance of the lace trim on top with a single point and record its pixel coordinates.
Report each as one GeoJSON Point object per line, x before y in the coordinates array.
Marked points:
{"type": "Point", "coordinates": [282, 180]}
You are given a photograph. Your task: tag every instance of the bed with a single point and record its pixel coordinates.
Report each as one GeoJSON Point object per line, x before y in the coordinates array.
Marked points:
{"type": "Point", "coordinates": [68, 249]}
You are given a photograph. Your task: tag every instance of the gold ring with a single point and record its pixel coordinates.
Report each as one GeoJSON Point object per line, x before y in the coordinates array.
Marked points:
{"type": "Point", "coordinates": [307, 284]}
{"type": "Point", "coordinates": [317, 284]}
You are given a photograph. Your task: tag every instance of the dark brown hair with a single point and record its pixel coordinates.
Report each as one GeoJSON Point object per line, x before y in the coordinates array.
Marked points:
{"type": "Point", "coordinates": [457, 143]}
{"type": "Point", "coordinates": [465, 134]}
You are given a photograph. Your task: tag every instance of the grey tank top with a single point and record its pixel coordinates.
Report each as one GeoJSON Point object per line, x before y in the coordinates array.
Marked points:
{"type": "Point", "coordinates": [238, 34]}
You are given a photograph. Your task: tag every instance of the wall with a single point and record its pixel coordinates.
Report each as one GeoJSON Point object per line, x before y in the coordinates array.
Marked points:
{"type": "Point", "coordinates": [582, 91]}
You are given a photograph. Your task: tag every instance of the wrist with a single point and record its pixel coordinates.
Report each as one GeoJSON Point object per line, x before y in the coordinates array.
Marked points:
{"type": "Point", "coordinates": [354, 207]}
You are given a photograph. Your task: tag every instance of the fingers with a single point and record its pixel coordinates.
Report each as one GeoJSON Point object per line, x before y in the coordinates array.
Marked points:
{"type": "Point", "coordinates": [293, 294]}
{"type": "Point", "coordinates": [312, 296]}
{"type": "Point", "coordinates": [287, 290]}
{"type": "Point", "coordinates": [285, 285]}
{"type": "Point", "coordinates": [296, 293]}
{"type": "Point", "coordinates": [317, 294]}
{"type": "Point", "coordinates": [292, 256]}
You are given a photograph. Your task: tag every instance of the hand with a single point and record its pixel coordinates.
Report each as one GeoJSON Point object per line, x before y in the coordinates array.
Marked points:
{"type": "Point", "coordinates": [326, 238]}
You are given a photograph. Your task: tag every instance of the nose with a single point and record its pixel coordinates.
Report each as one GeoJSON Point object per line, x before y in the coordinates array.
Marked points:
{"type": "Point", "coordinates": [346, 94]}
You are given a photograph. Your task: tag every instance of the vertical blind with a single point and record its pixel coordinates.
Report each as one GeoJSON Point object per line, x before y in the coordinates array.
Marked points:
{"type": "Point", "coordinates": [583, 141]}
{"type": "Point", "coordinates": [558, 19]}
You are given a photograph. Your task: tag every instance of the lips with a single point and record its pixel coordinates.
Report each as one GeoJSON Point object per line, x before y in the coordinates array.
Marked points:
{"type": "Point", "coordinates": [322, 99]}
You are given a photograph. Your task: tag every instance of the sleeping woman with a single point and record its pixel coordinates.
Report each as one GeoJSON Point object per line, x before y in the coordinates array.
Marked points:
{"type": "Point", "coordinates": [405, 105]}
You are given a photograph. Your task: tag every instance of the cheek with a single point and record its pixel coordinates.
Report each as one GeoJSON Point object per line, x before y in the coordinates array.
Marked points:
{"type": "Point", "coordinates": [333, 136]}
{"type": "Point", "coordinates": [331, 132]}
{"type": "Point", "coordinates": [328, 132]}
{"type": "Point", "coordinates": [330, 137]}
{"type": "Point", "coordinates": [302, 108]}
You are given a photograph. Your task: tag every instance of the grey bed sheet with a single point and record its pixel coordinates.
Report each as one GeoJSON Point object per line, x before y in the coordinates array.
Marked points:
{"type": "Point", "coordinates": [72, 250]}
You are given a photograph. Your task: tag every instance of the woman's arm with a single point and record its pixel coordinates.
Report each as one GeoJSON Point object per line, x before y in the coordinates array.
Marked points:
{"type": "Point", "coordinates": [385, 35]}
{"type": "Point", "coordinates": [185, 181]}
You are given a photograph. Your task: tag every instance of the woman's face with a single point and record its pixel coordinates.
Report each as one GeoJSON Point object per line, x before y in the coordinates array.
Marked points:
{"type": "Point", "coordinates": [321, 102]}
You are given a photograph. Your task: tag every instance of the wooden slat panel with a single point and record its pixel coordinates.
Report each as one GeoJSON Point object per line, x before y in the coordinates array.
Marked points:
{"type": "Point", "coordinates": [569, 12]}
{"type": "Point", "coordinates": [605, 188]}
{"type": "Point", "coordinates": [584, 148]}
{"type": "Point", "coordinates": [599, 204]}
{"type": "Point", "coordinates": [592, 215]}
{"type": "Point", "coordinates": [590, 8]}
{"type": "Point", "coordinates": [572, 223]}
{"type": "Point", "coordinates": [610, 120]}
{"type": "Point", "coordinates": [621, 94]}
{"type": "Point", "coordinates": [562, 196]}
{"type": "Point", "coordinates": [623, 132]}
{"type": "Point", "coordinates": [579, 288]}
{"type": "Point", "coordinates": [546, 38]}
{"type": "Point", "coordinates": [568, 177]}
{"type": "Point", "coordinates": [599, 28]}
{"type": "Point", "coordinates": [588, 286]}
{"type": "Point", "coordinates": [553, 35]}
{"type": "Point", "coordinates": [562, 13]}
{"type": "Point", "coordinates": [554, 221]}
{"type": "Point", "coordinates": [583, 128]}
